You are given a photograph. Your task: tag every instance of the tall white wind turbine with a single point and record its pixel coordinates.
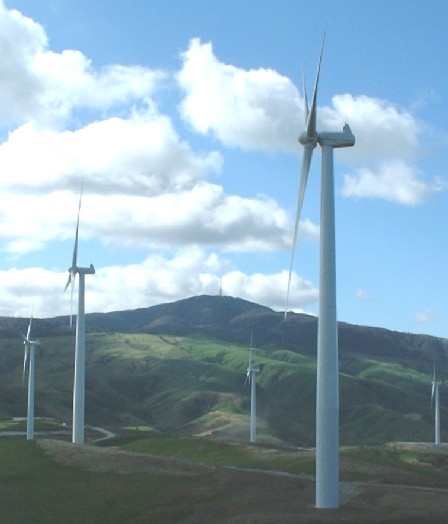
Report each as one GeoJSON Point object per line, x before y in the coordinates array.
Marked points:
{"type": "Point", "coordinates": [29, 358]}
{"type": "Point", "coordinates": [327, 397]}
{"type": "Point", "coordinates": [250, 378]}
{"type": "Point", "coordinates": [435, 402]}
{"type": "Point", "coordinates": [80, 345]}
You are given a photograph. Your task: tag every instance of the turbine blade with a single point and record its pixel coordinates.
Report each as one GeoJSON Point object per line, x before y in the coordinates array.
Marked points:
{"type": "Point", "coordinates": [311, 121]}
{"type": "Point", "coordinates": [28, 333]}
{"type": "Point", "coordinates": [75, 248]}
{"type": "Point", "coordinates": [250, 350]}
{"type": "Point", "coordinates": [25, 360]}
{"type": "Point", "coordinates": [306, 162]}
{"type": "Point", "coordinates": [71, 298]}
{"type": "Point", "coordinates": [432, 392]}
{"type": "Point", "coordinates": [247, 381]}
{"type": "Point", "coordinates": [305, 99]}
{"type": "Point", "coordinates": [68, 281]}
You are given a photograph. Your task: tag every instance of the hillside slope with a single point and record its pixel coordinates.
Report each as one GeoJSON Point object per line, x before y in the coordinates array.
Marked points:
{"type": "Point", "coordinates": [180, 368]}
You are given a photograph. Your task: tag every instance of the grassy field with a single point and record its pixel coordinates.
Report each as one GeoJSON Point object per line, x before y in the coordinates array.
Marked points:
{"type": "Point", "coordinates": [196, 480]}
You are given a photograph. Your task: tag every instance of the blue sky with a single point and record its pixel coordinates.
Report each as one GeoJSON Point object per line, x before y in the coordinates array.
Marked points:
{"type": "Point", "coordinates": [181, 118]}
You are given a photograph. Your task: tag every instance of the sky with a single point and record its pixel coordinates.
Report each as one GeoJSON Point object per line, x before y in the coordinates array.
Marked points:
{"type": "Point", "coordinates": [179, 119]}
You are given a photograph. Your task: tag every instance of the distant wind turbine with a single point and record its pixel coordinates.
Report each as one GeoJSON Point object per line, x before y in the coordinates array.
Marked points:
{"type": "Point", "coordinates": [435, 402]}
{"type": "Point", "coordinates": [29, 358]}
{"type": "Point", "coordinates": [327, 397]}
{"type": "Point", "coordinates": [80, 345]}
{"type": "Point", "coordinates": [250, 378]}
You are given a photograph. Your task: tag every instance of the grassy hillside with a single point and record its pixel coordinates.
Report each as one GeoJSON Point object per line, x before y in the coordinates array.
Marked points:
{"type": "Point", "coordinates": [195, 386]}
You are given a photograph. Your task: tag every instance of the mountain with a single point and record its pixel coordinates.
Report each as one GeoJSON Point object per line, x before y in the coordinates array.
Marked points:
{"type": "Point", "coordinates": [179, 368]}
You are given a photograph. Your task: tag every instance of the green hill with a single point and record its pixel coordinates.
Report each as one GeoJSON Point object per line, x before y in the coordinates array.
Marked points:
{"type": "Point", "coordinates": [180, 368]}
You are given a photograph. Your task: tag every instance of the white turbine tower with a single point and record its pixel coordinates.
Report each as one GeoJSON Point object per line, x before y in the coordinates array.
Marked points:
{"type": "Point", "coordinates": [327, 397]}
{"type": "Point", "coordinates": [435, 402]}
{"type": "Point", "coordinates": [29, 355]}
{"type": "Point", "coordinates": [80, 345]}
{"type": "Point", "coordinates": [250, 378]}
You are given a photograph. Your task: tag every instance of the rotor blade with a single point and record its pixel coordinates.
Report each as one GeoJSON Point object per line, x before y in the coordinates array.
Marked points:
{"type": "Point", "coordinates": [247, 381]}
{"type": "Point", "coordinates": [311, 122]}
{"type": "Point", "coordinates": [306, 161]}
{"type": "Point", "coordinates": [305, 99]}
{"type": "Point", "coordinates": [75, 248]}
{"type": "Point", "coordinates": [432, 392]}
{"type": "Point", "coordinates": [71, 298]}
{"type": "Point", "coordinates": [28, 333]}
{"type": "Point", "coordinates": [68, 281]}
{"type": "Point", "coordinates": [250, 349]}
{"type": "Point", "coordinates": [25, 360]}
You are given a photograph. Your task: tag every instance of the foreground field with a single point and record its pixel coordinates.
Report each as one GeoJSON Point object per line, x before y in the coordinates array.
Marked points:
{"type": "Point", "coordinates": [50, 481]}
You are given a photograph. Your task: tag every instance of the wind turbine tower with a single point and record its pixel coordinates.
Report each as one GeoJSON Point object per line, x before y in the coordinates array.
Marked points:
{"type": "Point", "coordinates": [435, 401]}
{"type": "Point", "coordinates": [80, 344]}
{"type": "Point", "coordinates": [327, 396]}
{"type": "Point", "coordinates": [250, 378]}
{"type": "Point", "coordinates": [30, 346]}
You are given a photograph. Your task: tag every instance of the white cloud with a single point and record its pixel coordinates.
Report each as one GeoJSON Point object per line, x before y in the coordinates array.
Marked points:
{"type": "Point", "coordinates": [134, 156]}
{"type": "Point", "coordinates": [260, 109]}
{"type": "Point", "coordinates": [255, 109]}
{"type": "Point", "coordinates": [395, 181]}
{"type": "Point", "coordinates": [382, 130]}
{"type": "Point", "coordinates": [203, 215]}
{"type": "Point", "coordinates": [362, 294]}
{"type": "Point", "coordinates": [424, 316]}
{"type": "Point", "coordinates": [47, 87]}
{"type": "Point", "coordinates": [270, 290]}
{"type": "Point", "coordinates": [191, 271]}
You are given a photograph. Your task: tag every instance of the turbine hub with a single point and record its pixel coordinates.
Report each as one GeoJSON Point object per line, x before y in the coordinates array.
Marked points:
{"type": "Point", "coordinates": [308, 141]}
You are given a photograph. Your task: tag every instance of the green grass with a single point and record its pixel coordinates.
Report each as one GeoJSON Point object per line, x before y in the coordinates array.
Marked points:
{"type": "Point", "coordinates": [432, 464]}
{"type": "Point", "coordinates": [36, 489]}
{"type": "Point", "coordinates": [218, 453]}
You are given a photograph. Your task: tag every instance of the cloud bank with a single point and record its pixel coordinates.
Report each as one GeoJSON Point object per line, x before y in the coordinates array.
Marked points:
{"type": "Point", "coordinates": [65, 123]}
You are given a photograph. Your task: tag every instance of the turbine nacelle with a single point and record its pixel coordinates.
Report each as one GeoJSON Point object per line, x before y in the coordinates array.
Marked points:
{"type": "Point", "coordinates": [335, 140]}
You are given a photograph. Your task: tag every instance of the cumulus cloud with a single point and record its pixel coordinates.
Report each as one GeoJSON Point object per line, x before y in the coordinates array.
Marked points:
{"type": "Point", "coordinates": [48, 87]}
{"type": "Point", "coordinates": [142, 154]}
{"type": "Point", "coordinates": [65, 122]}
{"type": "Point", "coordinates": [382, 130]}
{"type": "Point", "coordinates": [158, 279]}
{"type": "Point", "coordinates": [395, 181]}
{"type": "Point", "coordinates": [260, 109]}
{"type": "Point", "coordinates": [204, 215]}
{"type": "Point", "coordinates": [255, 109]}
{"type": "Point", "coordinates": [270, 289]}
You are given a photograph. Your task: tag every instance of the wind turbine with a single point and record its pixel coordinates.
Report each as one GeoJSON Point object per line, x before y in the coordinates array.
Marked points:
{"type": "Point", "coordinates": [250, 378]}
{"type": "Point", "coordinates": [80, 345]}
{"type": "Point", "coordinates": [327, 396]}
{"type": "Point", "coordinates": [29, 356]}
{"type": "Point", "coordinates": [435, 402]}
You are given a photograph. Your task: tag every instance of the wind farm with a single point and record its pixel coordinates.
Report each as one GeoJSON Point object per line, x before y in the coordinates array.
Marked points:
{"type": "Point", "coordinates": [186, 139]}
